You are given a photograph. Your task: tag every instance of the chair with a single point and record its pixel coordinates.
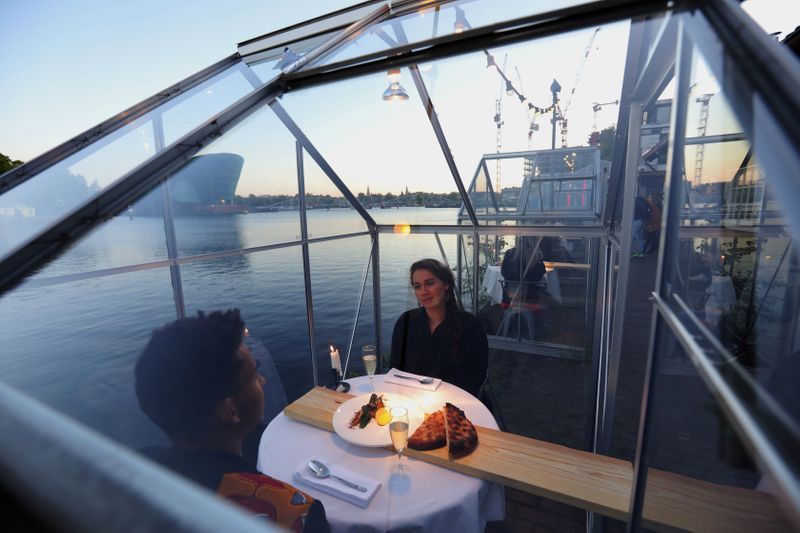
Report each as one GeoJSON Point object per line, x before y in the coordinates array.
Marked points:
{"type": "Point", "coordinates": [523, 307]}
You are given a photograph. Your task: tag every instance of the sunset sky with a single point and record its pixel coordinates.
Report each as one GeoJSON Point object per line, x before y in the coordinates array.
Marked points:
{"type": "Point", "coordinates": [71, 65]}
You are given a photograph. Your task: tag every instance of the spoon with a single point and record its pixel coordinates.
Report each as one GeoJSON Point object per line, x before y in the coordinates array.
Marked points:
{"type": "Point", "coordinates": [321, 471]}
{"type": "Point", "coordinates": [424, 381]}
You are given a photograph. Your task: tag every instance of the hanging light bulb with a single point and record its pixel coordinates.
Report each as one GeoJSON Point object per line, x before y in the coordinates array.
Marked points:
{"type": "Point", "coordinates": [461, 23]}
{"type": "Point", "coordinates": [509, 88]}
{"type": "Point", "coordinates": [395, 92]}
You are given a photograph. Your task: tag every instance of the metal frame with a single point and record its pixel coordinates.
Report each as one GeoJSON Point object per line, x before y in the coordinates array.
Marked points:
{"type": "Point", "coordinates": [113, 271]}
{"type": "Point", "coordinates": [500, 34]}
{"type": "Point", "coordinates": [603, 444]}
{"type": "Point", "coordinates": [672, 205]}
{"type": "Point", "coordinates": [301, 197]}
{"type": "Point", "coordinates": [169, 225]}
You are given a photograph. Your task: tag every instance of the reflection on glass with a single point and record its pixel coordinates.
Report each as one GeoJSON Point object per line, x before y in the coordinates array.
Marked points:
{"type": "Point", "coordinates": [267, 289]}
{"type": "Point", "coordinates": [734, 264]}
{"type": "Point", "coordinates": [35, 204]}
{"type": "Point", "coordinates": [73, 346]}
{"type": "Point", "coordinates": [694, 454]}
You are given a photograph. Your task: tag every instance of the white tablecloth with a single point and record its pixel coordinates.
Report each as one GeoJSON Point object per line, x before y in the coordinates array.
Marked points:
{"type": "Point", "coordinates": [494, 289]}
{"type": "Point", "coordinates": [491, 282]}
{"type": "Point", "coordinates": [425, 498]}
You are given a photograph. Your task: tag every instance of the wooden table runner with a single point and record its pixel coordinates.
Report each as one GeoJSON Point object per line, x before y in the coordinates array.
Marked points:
{"type": "Point", "coordinates": [582, 479]}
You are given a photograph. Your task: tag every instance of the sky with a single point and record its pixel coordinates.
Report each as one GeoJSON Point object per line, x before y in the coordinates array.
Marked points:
{"type": "Point", "coordinates": [70, 65]}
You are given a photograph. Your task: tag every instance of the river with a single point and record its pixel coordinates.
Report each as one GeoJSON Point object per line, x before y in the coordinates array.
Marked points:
{"type": "Point", "coordinates": [73, 345]}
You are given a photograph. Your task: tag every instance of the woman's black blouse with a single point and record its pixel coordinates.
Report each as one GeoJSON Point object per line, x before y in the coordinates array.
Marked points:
{"type": "Point", "coordinates": [415, 349]}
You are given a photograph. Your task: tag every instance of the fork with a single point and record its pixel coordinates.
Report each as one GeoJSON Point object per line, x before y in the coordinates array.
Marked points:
{"type": "Point", "coordinates": [424, 381]}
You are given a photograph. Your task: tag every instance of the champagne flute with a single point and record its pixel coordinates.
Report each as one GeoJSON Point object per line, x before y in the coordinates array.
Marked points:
{"type": "Point", "coordinates": [398, 429]}
{"type": "Point", "coordinates": [368, 355]}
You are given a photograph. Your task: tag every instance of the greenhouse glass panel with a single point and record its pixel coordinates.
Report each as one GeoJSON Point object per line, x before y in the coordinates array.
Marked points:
{"type": "Point", "coordinates": [734, 263]}
{"type": "Point", "coordinates": [327, 211]}
{"type": "Point", "coordinates": [692, 444]}
{"type": "Point", "coordinates": [539, 289]}
{"type": "Point", "coordinates": [54, 192]}
{"type": "Point", "coordinates": [73, 346]}
{"type": "Point", "coordinates": [271, 297]}
{"type": "Point", "coordinates": [437, 21]}
{"type": "Point", "coordinates": [385, 152]}
{"type": "Point", "coordinates": [337, 278]}
{"type": "Point", "coordinates": [240, 191]}
{"type": "Point", "coordinates": [180, 116]}
{"type": "Point", "coordinates": [44, 198]}
{"type": "Point", "coordinates": [123, 242]}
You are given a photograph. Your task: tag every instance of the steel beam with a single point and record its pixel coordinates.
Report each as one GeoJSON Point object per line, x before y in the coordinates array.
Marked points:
{"type": "Point", "coordinates": [301, 194]}
{"type": "Point", "coordinates": [667, 247]}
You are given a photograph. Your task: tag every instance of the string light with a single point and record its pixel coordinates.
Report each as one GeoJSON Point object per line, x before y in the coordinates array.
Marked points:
{"type": "Point", "coordinates": [511, 90]}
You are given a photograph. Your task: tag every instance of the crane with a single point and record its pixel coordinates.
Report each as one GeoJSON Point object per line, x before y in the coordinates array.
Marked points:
{"type": "Point", "coordinates": [563, 113]}
{"type": "Point", "coordinates": [498, 120]}
{"type": "Point", "coordinates": [702, 126]}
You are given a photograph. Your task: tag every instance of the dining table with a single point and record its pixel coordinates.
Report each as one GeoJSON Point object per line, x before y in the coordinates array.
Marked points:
{"type": "Point", "coordinates": [421, 497]}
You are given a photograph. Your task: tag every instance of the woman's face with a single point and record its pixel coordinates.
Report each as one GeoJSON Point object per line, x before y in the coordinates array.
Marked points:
{"type": "Point", "coordinates": [429, 290]}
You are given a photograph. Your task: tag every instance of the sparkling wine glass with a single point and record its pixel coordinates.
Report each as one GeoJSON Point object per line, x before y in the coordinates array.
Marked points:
{"type": "Point", "coordinates": [370, 358]}
{"type": "Point", "coordinates": [398, 429]}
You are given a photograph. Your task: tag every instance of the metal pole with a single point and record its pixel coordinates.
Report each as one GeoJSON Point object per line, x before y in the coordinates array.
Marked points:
{"type": "Point", "coordinates": [301, 193]}
{"type": "Point", "coordinates": [376, 291]}
{"type": "Point", "coordinates": [476, 258]}
{"type": "Point", "coordinates": [169, 224]}
{"type": "Point", "coordinates": [603, 443]}
{"type": "Point", "coordinates": [672, 206]}
{"type": "Point", "coordinates": [358, 312]}
{"type": "Point", "coordinates": [555, 88]}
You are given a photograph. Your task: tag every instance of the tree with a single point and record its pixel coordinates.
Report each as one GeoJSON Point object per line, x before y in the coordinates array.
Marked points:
{"type": "Point", "coordinates": [6, 163]}
{"type": "Point", "coordinates": [606, 142]}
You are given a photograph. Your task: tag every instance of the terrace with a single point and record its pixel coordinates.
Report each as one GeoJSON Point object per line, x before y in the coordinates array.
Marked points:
{"type": "Point", "coordinates": [270, 180]}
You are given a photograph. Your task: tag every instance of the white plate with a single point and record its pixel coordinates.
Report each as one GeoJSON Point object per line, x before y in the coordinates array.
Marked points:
{"type": "Point", "coordinates": [373, 434]}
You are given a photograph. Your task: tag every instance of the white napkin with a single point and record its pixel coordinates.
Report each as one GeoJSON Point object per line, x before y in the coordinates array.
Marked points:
{"type": "Point", "coordinates": [336, 487]}
{"type": "Point", "coordinates": [391, 377]}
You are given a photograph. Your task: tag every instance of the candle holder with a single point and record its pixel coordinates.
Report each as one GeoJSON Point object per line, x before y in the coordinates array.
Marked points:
{"type": "Point", "coordinates": [338, 385]}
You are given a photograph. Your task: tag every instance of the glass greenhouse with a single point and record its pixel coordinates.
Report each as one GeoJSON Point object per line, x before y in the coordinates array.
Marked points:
{"type": "Point", "coordinates": [299, 178]}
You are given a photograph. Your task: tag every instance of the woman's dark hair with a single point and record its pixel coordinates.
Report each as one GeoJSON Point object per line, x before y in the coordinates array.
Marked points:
{"type": "Point", "coordinates": [187, 368]}
{"type": "Point", "coordinates": [444, 274]}
{"type": "Point", "coordinates": [452, 305]}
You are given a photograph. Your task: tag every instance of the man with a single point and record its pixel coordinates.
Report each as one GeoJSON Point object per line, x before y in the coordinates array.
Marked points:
{"type": "Point", "coordinates": [198, 381]}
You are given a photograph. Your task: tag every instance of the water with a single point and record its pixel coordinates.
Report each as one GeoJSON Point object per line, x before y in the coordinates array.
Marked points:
{"type": "Point", "coordinates": [74, 345]}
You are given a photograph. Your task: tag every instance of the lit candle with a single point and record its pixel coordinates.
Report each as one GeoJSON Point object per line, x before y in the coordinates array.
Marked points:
{"type": "Point", "coordinates": [336, 362]}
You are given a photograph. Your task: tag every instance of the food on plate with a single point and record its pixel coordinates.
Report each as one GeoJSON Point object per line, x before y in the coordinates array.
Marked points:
{"type": "Point", "coordinates": [461, 435]}
{"type": "Point", "coordinates": [430, 434]}
{"type": "Point", "coordinates": [447, 427]}
{"type": "Point", "coordinates": [383, 416]}
{"type": "Point", "coordinates": [362, 417]}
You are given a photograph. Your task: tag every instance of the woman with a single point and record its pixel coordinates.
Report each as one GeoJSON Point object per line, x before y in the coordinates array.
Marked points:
{"type": "Point", "coordinates": [437, 339]}
{"type": "Point", "coordinates": [523, 263]}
